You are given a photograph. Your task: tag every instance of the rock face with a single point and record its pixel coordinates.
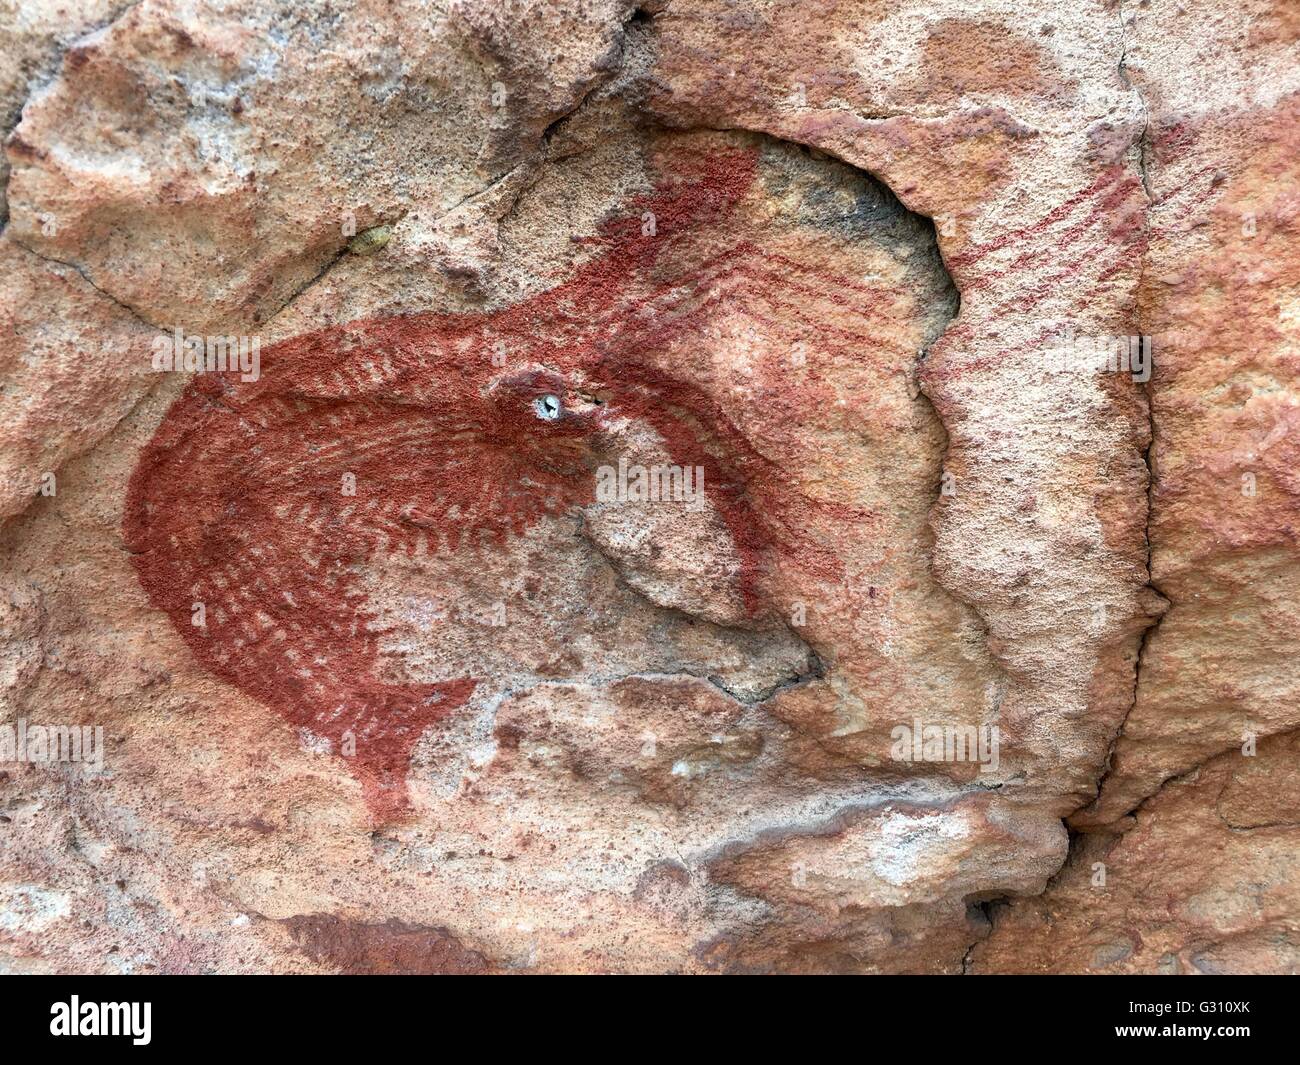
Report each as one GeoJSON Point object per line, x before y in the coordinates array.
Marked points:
{"type": "Point", "coordinates": [700, 487]}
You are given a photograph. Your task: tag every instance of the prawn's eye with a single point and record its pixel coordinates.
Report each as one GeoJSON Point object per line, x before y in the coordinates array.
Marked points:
{"type": "Point", "coordinates": [547, 407]}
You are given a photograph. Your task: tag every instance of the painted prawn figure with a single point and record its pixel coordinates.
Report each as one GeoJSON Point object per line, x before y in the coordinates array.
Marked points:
{"type": "Point", "coordinates": [240, 505]}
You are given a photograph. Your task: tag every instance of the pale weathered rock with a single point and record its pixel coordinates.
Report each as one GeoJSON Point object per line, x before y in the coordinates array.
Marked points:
{"type": "Point", "coordinates": [73, 363]}
{"type": "Point", "coordinates": [396, 671]}
{"type": "Point", "coordinates": [35, 36]}
{"type": "Point", "coordinates": [1205, 881]}
{"type": "Point", "coordinates": [1221, 285]}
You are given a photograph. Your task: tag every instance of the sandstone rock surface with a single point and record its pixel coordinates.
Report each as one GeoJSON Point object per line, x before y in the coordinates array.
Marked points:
{"type": "Point", "coordinates": [632, 500]}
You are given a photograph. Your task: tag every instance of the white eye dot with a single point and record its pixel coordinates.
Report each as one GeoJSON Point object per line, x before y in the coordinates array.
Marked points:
{"type": "Point", "coordinates": [547, 407]}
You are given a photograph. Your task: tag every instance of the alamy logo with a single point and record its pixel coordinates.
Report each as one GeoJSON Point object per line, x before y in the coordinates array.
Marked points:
{"type": "Point", "coordinates": [946, 743]}
{"type": "Point", "coordinates": [39, 744]}
{"type": "Point", "coordinates": [214, 354]}
{"type": "Point", "coordinates": [650, 484]}
{"type": "Point", "coordinates": [1078, 353]}
{"type": "Point", "coordinates": [103, 1018]}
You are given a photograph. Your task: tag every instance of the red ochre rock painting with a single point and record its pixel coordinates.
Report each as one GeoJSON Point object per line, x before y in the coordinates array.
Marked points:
{"type": "Point", "coordinates": [237, 502]}
{"type": "Point", "coordinates": [388, 948]}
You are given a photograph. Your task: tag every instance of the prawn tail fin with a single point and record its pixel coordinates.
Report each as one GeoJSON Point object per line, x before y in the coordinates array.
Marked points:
{"type": "Point", "coordinates": [382, 733]}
